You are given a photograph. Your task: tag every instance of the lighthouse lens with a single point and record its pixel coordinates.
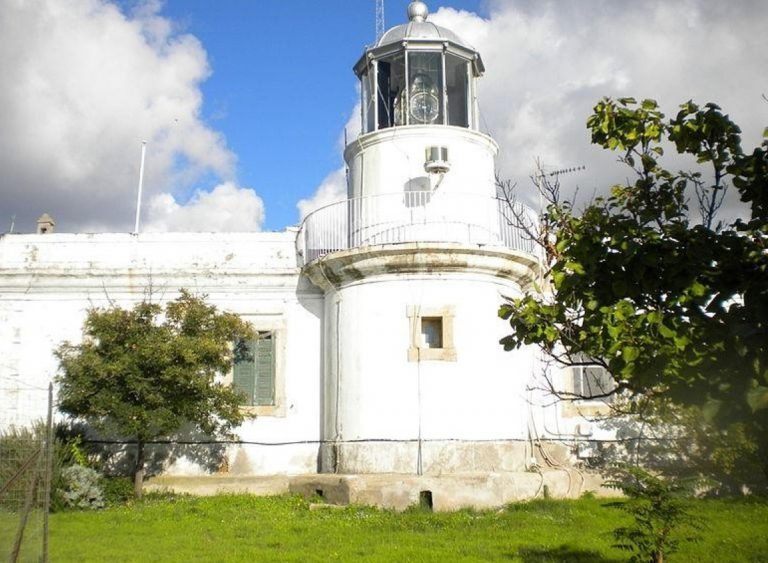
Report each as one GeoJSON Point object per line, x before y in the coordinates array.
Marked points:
{"type": "Point", "coordinates": [425, 87]}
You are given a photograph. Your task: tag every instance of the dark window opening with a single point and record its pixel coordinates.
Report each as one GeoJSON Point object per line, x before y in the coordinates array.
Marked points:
{"type": "Point", "coordinates": [432, 332]}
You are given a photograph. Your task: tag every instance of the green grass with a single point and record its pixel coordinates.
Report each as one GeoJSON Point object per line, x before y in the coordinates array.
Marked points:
{"type": "Point", "coordinates": [247, 528]}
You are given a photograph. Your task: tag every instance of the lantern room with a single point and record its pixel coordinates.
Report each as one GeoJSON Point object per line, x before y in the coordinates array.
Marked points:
{"type": "Point", "coordinates": [418, 73]}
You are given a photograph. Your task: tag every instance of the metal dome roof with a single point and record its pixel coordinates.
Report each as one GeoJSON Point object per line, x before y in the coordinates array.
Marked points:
{"type": "Point", "coordinates": [419, 30]}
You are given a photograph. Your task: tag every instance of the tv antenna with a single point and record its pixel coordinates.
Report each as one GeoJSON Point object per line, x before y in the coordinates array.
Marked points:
{"type": "Point", "coordinates": [379, 19]}
{"type": "Point", "coordinates": [561, 171]}
{"type": "Point", "coordinates": [542, 177]}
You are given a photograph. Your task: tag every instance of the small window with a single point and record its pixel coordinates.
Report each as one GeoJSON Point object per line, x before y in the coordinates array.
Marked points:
{"type": "Point", "coordinates": [254, 369]}
{"type": "Point", "coordinates": [432, 332]}
{"type": "Point", "coordinates": [592, 381]}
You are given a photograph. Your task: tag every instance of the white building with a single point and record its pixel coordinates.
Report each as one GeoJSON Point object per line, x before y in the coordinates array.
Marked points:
{"type": "Point", "coordinates": [380, 339]}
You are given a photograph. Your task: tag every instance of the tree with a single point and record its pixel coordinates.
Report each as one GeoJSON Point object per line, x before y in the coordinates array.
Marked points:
{"type": "Point", "coordinates": [148, 371]}
{"type": "Point", "coordinates": [670, 306]}
{"type": "Point", "coordinates": [660, 511]}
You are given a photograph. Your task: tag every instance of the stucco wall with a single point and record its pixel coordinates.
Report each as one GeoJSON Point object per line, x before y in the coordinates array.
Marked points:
{"type": "Point", "coordinates": [48, 282]}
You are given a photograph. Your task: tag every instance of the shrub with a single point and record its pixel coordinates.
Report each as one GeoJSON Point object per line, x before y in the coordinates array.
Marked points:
{"type": "Point", "coordinates": [81, 487]}
{"type": "Point", "coordinates": [117, 490]}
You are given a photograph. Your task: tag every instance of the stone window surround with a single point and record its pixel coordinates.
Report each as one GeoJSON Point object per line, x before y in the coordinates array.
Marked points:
{"type": "Point", "coordinates": [416, 351]}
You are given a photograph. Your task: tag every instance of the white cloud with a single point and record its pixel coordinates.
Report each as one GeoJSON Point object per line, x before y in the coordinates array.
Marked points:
{"type": "Point", "coordinates": [549, 62]}
{"type": "Point", "coordinates": [225, 208]}
{"type": "Point", "coordinates": [83, 84]}
{"type": "Point", "coordinates": [332, 189]}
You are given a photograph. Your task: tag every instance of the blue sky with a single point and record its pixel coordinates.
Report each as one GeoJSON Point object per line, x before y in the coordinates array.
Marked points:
{"type": "Point", "coordinates": [282, 86]}
{"type": "Point", "coordinates": [244, 103]}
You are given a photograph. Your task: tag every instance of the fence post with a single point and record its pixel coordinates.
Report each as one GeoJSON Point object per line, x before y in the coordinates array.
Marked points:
{"type": "Point", "coordinates": [29, 500]}
{"type": "Point", "coordinates": [48, 471]}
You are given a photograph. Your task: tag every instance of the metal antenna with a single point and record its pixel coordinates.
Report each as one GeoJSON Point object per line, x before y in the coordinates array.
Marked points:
{"type": "Point", "coordinates": [379, 19]}
{"type": "Point", "coordinates": [539, 178]}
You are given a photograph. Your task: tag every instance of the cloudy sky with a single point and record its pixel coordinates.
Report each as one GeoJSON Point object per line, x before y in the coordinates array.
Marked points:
{"type": "Point", "coordinates": [244, 104]}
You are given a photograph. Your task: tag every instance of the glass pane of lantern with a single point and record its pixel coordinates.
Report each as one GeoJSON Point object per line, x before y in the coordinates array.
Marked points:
{"type": "Point", "coordinates": [425, 85]}
{"type": "Point", "coordinates": [369, 99]}
{"type": "Point", "coordinates": [457, 82]}
{"type": "Point", "coordinates": [391, 88]}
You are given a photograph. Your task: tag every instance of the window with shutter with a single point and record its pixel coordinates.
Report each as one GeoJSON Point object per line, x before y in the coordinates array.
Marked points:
{"type": "Point", "coordinates": [265, 370]}
{"type": "Point", "coordinates": [254, 370]}
{"type": "Point", "coordinates": [592, 381]}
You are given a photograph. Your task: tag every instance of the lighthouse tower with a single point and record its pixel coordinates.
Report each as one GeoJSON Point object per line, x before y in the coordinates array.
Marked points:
{"type": "Point", "coordinates": [414, 265]}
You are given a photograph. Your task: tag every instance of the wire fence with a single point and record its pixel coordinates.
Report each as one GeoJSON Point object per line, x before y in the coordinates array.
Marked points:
{"type": "Point", "coordinates": [26, 454]}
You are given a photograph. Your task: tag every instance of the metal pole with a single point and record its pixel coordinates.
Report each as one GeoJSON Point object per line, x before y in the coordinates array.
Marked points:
{"type": "Point", "coordinates": [28, 501]}
{"type": "Point", "coordinates": [141, 185]}
{"type": "Point", "coordinates": [48, 471]}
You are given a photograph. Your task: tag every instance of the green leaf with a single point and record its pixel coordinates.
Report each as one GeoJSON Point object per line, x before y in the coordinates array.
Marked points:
{"type": "Point", "coordinates": [630, 354]}
{"type": "Point", "coordinates": [698, 289]}
{"type": "Point", "coordinates": [757, 398]}
{"type": "Point", "coordinates": [665, 331]}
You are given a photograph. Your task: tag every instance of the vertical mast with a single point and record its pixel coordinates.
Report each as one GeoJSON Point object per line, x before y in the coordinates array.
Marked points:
{"type": "Point", "coordinates": [379, 19]}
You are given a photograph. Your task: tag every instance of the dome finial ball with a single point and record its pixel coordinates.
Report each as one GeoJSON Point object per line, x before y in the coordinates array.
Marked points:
{"type": "Point", "coordinates": [417, 11]}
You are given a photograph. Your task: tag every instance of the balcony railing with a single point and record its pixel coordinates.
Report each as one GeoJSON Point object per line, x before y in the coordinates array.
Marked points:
{"type": "Point", "coordinates": [415, 216]}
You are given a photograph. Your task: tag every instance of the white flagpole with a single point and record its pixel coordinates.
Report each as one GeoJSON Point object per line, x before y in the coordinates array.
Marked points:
{"type": "Point", "coordinates": [141, 184]}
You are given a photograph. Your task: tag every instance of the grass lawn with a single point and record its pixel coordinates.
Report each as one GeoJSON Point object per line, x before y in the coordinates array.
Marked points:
{"type": "Point", "coordinates": [247, 528]}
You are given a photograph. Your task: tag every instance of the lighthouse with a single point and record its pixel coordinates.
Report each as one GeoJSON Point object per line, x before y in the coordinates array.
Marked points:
{"type": "Point", "coordinates": [414, 265]}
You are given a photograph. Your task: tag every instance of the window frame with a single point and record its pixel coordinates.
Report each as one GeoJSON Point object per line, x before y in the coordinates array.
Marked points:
{"type": "Point", "coordinates": [417, 351]}
{"type": "Point", "coordinates": [277, 328]}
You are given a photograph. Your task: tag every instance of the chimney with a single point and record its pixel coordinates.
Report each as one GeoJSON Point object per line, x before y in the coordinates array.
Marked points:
{"type": "Point", "coordinates": [45, 224]}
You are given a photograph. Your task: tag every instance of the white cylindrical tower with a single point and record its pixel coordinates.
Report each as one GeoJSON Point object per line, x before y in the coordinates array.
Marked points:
{"type": "Point", "coordinates": [414, 265]}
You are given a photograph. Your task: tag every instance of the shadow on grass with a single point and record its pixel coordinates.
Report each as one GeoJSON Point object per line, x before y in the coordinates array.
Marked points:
{"type": "Point", "coordinates": [561, 554]}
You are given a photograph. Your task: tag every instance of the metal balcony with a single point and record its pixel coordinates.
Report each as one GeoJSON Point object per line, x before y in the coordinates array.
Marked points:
{"type": "Point", "coordinates": [414, 216]}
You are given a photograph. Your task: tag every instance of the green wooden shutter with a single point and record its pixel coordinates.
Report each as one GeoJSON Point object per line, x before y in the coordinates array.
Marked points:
{"type": "Point", "coordinates": [265, 369]}
{"type": "Point", "coordinates": [244, 373]}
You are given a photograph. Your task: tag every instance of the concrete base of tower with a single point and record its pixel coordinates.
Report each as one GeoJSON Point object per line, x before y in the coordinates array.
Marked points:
{"type": "Point", "coordinates": [478, 491]}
